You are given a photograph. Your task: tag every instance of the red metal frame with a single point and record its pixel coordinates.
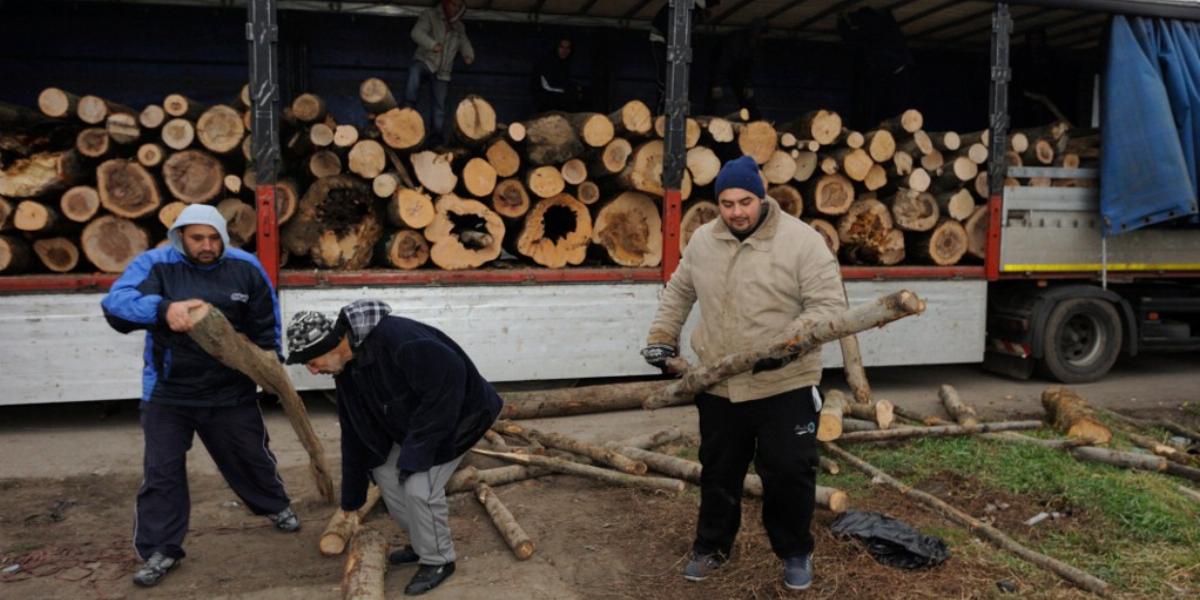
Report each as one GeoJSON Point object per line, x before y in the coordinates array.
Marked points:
{"type": "Point", "coordinates": [268, 232]}
{"type": "Point", "coordinates": [992, 255]}
{"type": "Point", "coordinates": [672, 201]}
{"type": "Point", "coordinates": [318, 278]}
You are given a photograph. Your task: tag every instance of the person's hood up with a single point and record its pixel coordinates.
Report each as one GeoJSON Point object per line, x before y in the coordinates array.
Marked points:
{"type": "Point", "coordinates": [198, 214]}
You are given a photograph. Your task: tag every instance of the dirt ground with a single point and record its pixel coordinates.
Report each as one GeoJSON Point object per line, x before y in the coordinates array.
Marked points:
{"type": "Point", "coordinates": [68, 475]}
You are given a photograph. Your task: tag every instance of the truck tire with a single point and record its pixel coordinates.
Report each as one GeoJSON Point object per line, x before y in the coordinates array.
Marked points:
{"type": "Point", "coordinates": [1082, 340]}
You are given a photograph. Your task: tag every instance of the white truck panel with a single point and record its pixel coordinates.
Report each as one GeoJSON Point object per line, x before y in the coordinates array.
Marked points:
{"type": "Point", "coordinates": [58, 348]}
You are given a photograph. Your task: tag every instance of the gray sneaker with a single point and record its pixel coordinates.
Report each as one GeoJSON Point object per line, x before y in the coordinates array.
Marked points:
{"type": "Point", "coordinates": [154, 570]}
{"type": "Point", "coordinates": [286, 520]}
{"type": "Point", "coordinates": [700, 566]}
{"type": "Point", "coordinates": [797, 572]}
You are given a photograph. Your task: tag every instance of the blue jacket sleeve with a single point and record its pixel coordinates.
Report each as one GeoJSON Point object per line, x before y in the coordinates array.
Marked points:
{"type": "Point", "coordinates": [355, 461]}
{"type": "Point", "coordinates": [264, 328]}
{"type": "Point", "coordinates": [134, 301]}
{"type": "Point", "coordinates": [438, 376]}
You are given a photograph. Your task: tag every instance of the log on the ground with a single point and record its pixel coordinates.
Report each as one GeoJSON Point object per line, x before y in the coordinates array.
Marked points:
{"type": "Point", "coordinates": [1017, 438]}
{"type": "Point", "coordinates": [512, 532]}
{"type": "Point", "coordinates": [1125, 460]}
{"type": "Point", "coordinates": [829, 422]}
{"type": "Point", "coordinates": [401, 128]}
{"type": "Point", "coordinates": [551, 439]}
{"type": "Point", "coordinates": [852, 365]}
{"type": "Point", "coordinates": [979, 528]}
{"type": "Point", "coordinates": [576, 401]}
{"type": "Point", "coordinates": [829, 466]}
{"type": "Point", "coordinates": [405, 249]}
{"type": "Point", "coordinates": [660, 484]}
{"type": "Point", "coordinates": [962, 413]}
{"type": "Point", "coordinates": [881, 412]}
{"type": "Point", "coordinates": [15, 256]}
{"type": "Point", "coordinates": [363, 577]}
{"type": "Point", "coordinates": [493, 477]}
{"type": "Point", "coordinates": [464, 234]}
{"type": "Point", "coordinates": [435, 171]}
{"type": "Point", "coordinates": [1166, 424]}
{"type": "Point", "coordinates": [654, 439]}
{"type": "Point", "coordinates": [192, 176]}
{"type": "Point", "coordinates": [1170, 453]}
{"type": "Point", "coordinates": [696, 214]}
{"type": "Point", "coordinates": [343, 524]}
{"type": "Point", "coordinates": [944, 245]}
{"type": "Point", "coordinates": [630, 230]}
{"type": "Point", "coordinates": [800, 338]}
{"type": "Point", "coordinates": [903, 433]}
{"type": "Point", "coordinates": [213, 332]}
{"type": "Point", "coordinates": [336, 224]}
{"type": "Point", "coordinates": [1067, 412]}
{"type": "Point", "coordinates": [40, 174]}
{"type": "Point", "coordinates": [556, 232]}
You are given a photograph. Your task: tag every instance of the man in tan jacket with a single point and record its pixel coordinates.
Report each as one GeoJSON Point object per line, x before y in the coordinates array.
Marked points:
{"type": "Point", "coordinates": [754, 272]}
{"type": "Point", "coordinates": [440, 36]}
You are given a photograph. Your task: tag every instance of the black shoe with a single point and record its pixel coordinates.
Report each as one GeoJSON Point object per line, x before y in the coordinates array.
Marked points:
{"type": "Point", "coordinates": [285, 520]}
{"type": "Point", "coordinates": [154, 570]}
{"type": "Point", "coordinates": [404, 556]}
{"type": "Point", "coordinates": [427, 578]}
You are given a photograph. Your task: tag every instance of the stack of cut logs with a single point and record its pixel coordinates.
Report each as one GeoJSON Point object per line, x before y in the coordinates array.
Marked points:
{"type": "Point", "coordinates": [86, 180]}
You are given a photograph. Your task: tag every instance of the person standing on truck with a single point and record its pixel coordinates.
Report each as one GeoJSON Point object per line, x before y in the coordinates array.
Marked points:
{"type": "Point", "coordinates": [551, 83]}
{"type": "Point", "coordinates": [410, 404]}
{"type": "Point", "coordinates": [731, 64]}
{"type": "Point", "coordinates": [186, 391]}
{"type": "Point", "coordinates": [440, 36]}
{"type": "Point", "coordinates": [754, 272]}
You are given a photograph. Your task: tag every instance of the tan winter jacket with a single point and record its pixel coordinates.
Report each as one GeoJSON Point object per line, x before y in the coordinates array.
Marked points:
{"type": "Point", "coordinates": [430, 31]}
{"type": "Point", "coordinates": [749, 293]}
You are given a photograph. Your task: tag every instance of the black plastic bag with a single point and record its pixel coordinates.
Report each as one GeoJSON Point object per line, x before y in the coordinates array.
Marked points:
{"type": "Point", "coordinates": [891, 542]}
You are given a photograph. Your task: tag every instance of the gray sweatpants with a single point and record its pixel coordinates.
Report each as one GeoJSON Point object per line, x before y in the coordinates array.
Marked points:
{"type": "Point", "coordinates": [419, 506]}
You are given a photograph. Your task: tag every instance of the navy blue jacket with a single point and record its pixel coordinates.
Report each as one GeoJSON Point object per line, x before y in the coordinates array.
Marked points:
{"type": "Point", "coordinates": [408, 384]}
{"type": "Point", "coordinates": [177, 371]}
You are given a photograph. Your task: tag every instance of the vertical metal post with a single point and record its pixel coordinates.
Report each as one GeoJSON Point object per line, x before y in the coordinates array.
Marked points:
{"type": "Point", "coordinates": [999, 122]}
{"type": "Point", "coordinates": [263, 34]}
{"type": "Point", "coordinates": [679, 58]}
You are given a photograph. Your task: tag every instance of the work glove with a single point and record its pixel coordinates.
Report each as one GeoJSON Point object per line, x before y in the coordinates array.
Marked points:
{"type": "Point", "coordinates": [657, 355]}
{"type": "Point", "coordinates": [770, 364]}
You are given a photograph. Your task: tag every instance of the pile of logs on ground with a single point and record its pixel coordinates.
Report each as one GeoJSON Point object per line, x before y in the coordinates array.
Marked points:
{"type": "Point", "coordinates": [88, 183]}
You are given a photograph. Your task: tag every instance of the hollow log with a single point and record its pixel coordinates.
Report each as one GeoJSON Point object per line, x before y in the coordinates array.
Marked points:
{"type": "Point", "coordinates": [464, 234]}
{"type": "Point", "coordinates": [336, 224]}
{"type": "Point", "coordinates": [866, 221]}
{"type": "Point", "coordinates": [630, 230]}
{"type": "Point", "coordinates": [111, 243]}
{"type": "Point", "coordinates": [655, 484]}
{"type": "Point", "coordinates": [556, 232]}
{"type": "Point", "coordinates": [510, 199]}
{"type": "Point", "coordinates": [512, 532]}
{"type": "Point", "coordinates": [887, 249]}
{"type": "Point", "coordinates": [366, 566]}
{"type": "Point", "coordinates": [401, 128]}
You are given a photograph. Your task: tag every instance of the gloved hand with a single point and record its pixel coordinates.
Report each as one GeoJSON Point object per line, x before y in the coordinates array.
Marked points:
{"type": "Point", "coordinates": [657, 354]}
{"type": "Point", "coordinates": [770, 364]}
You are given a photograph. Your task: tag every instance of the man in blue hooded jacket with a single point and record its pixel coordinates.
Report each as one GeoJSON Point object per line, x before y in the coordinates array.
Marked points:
{"type": "Point", "coordinates": [186, 391]}
{"type": "Point", "coordinates": [410, 403]}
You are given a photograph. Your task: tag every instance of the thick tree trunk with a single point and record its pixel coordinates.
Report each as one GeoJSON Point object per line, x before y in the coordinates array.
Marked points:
{"type": "Point", "coordinates": [887, 249]}
{"type": "Point", "coordinates": [550, 140]}
{"type": "Point", "coordinates": [128, 190]}
{"type": "Point", "coordinates": [40, 174]}
{"type": "Point", "coordinates": [757, 140]}
{"type": "Point", "coordinates": [1067, 412]}
{"type": "Point", "coordinates": [801, 338]}
{"type": "Point", "coordinates": [111, 243]}
{"type": "Point", "coordinates": [401, 128]}
{"type": "Point", "coordinates": [435, 171]}
{"type": "Point", "coordinates": [366, 567]}
{"type": "Point", "coordinates": [220, 129]}
{"type": "Point", "coordinates": [979, 528]}
{"type": "Point", "coordinates": [789, 199]}
{"type": "Point", "coordinates": [191, 176]}
{"type": "Point", "coordinates": [914, 211]}
{"type": "Point", "coordinates": [464, 234]}
{"type": "Point", "coordinates": [866, 222]}
{"type": "Point", "coordinates": [655, 484]}
{"type": "Point", "coordinates": [829, 195]}
{"type": "Point", "coordinates": [556, 232]}
{"type": "Point", "coordinates": [336, 224]}
{"type": "Point", "coordinates": [510, 199]}
{"type": "Point", "coordinates": [512, 532]}
{"type": "Point", "coordinates": [944, 245]}
{"type": "Point", "coordinates": [630, 230]}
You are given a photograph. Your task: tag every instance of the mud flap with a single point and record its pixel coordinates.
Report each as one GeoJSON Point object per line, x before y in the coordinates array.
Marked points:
{"type": "Point", "coordinates": [1008, 364]}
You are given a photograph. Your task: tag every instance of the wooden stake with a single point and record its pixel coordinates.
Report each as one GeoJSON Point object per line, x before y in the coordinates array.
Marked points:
{"type": "Point", "coordinates": [830, 427]}
{"type": "Point", "coordinates": [963, 414]}
{"type": "Point", "coordinates": [512, 532]}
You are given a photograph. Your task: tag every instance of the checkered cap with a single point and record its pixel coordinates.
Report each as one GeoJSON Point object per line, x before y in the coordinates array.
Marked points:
{"type": "Point", "coordinates": [306, 333]}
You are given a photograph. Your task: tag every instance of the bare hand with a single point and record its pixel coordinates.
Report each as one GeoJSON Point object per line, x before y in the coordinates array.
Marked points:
{"type": "Point", "coordinates": [437, 47]}
{"type": "Point", "coordinates": [468, 60]}
{"type": "Point", "coordinates": [178, 318]}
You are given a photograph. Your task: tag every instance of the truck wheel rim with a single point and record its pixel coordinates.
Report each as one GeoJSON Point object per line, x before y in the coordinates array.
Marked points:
{"type": "Point", "coordinates": [1081, 340]}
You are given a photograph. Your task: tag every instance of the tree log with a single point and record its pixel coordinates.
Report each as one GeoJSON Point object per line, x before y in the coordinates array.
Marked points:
{"type": "Point", "coordinates": [1014, 437]}
{"type": "Point", "coordinates": [918, 144]}
{"type": "Point", "coordinates": [503, 158]}
{"type": "Point", "coordinates": [366, 567]}
{"type": "Point", "coordinates": [1168, 452]}
{"type": "Point", "coordinates": [287, 199]}
{"type": "Point", "coordinates": [1168, 425]}
{"type": "Point", "coordinates": [345, 136]}
{"type": "Point", "coordinates": [343, 525]}
{"type": "Point", "coordinates": [789, 199]}
{"type": "Point", "coordinates": [933, 161]}
{"type": "Point", "coordinates": [493, 477]}
{"type": "Point", "coordinates": [958, 205]}
{"type": "Point", "coordinates": [962, 413]}
{"type": "Point", "coordinates": [556, 232]}
{"type": "Point", "coordinates": [213, 332]}
{"type": "Point", "coordinates": [178, 134]}
{"type": "Point", "coordinates": [887, 249]}
{"type": "Point", "coordinates": [830, 421]}
{"type": "Point", "coordinates": [128, 190]}
{"type": "Point", "coordinates": [464, 234]}
{"type": "Point", "coordinates": [435, 171]}
{"type": "Point", "coordinates": [178, 105]}
{"type": "Point", "coordinates": [150, 155]}
{"type": "Point", "coordinates": [220, 129]}
{"type": "Point", "coordinates": [79, 203]}
{"type": "Point", "coordinates": [169, 212]}
{"type": "Point", "coordinates": [1125, 460]}
{"type": "Point", "coordinates": [979, 528]}
{"type": "Point", "coordinates": [111, 243]}
{"type": "Point", "coordinates": [880, 145]}
{"type": "Point", "coordinates": [122, 128]}
{"type": "Point", "coordinates": [757, 140]}
{"type": "Point", "coordinates": [657, 484]}
{"type": "Point", "coordinates": [34, 217]}
{"type": "Point", "coordinates": [587, 192]}
{"type": "Point", "coordinates": [691, 130]}
{"type": "Point", "coordinates": [576, 401]}
{"type": "Point", "coordinates": [819, 125]}
{"type": "Point", "coordinates": [323, 163]}
{"type": "Point", "coordinates": [474, 120]}
{"type": "Point", "coordinates": [829, 195]}
{"type": "Point", "coordinates": [191, 176]}
{"type": "Point", "coordinates": [548, 439]}
{"type": "Point", "coordinates": [510, 199]}
{"type": "Point", "coordinates": [613, 159]}
{"type": "Point", "coordinates": [633, 118]}
{"type": "Point", "coordinates": [630, 230]}
{"type": "Point", "coordinates": [93, 110]}
{"type": "Point", "coordinates": [1067, 412]}
{"type": "Point", "coordinates": [152, 117]}
{"type": "Point", "coordinates": [545, 181]}
{"type": "Point", "coordinates": [866, 222]}
{"type": "Point", "coordinates": [696, 214]}
{"type": "Point", "coordinates": [976, 227]}
{"type": "Point", "coordinates": [308, 108]}
{"type": "Point", "coordinates": [375, 95]}
{"type": "Point", "coordinates": [240, 221]}
{"type": "Point", "coordinates": [550, 140]}
{"type": "Point", "coordinates": [15, 256]}
{"type": "Point", "coordinates": [321, 135]}
{"type": "Point", "coordinates": [914, 211]}
{"type": "Point", "coordinates": [801, 338]}
{"type": "Point", "coordinates": [405, 249]}
{"type": "Point", "coordinates": [806, 165]}
{"type": "Point", "coordinates": [596, 130]}
{"type": "Point", "coordinates": [516, 538]}
{"type": "Point", "coordinates": [827, 231]}
{"type": "Point", "coordinates": [1041, 150]}
{"type": "Point", "coordinates": [903, 433]}
{"type": "Point", "coordinates": [93, 142]}
{"type": "Point", "coordinates": [976, 153]}
{"type": "Point", "coordinates": [910, 121]}
{"type": "Point", "coordinates": [336, 224]}
{"type": "Point", "coordinates": [654, 439]}
{"type": "Point", "coordinates": [401, 128]}
{"type": "Point", "coordinates": [40, 174]}
{"type": "Point", "coordinates": [718, 129]}
{"type": "Point", "coordinates": [881, 412]}
{"type": "Point", "coordinates": [779, 168]}
{"type": "Point", "coordinates": [56, 103]}
{"type": "Point", "coordinates": [478, 177]}
{"type": "Point", "coordinates": [948, 141]}
{"type": "Point", "coordinates": [367, 159]}
{"type": "Point", "coordinates": [944, 245]}
{"type": "Point", "coordinates": [59, 254]}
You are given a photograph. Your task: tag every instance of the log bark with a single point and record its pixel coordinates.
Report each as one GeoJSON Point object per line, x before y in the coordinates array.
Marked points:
{"type": "Point", "coordinates": [630, 230]}
{"type": "Point", "coordinates": [494, 477]}
{"type": "Point", "coordinates": [556, 232]}
{"type": "Point", "coordinates": [178, 134]}
{"type": "Point", "coordinates": [789, 199]}
{"type": "Point", "coordinates": [405, 249]}
{"type": "Point", "coordinates": [93, 110]}
{"type": "Point", "coordinates": [123, 128]}
{"type": "Point", "coordinates": [944, 245]}
{"type": "Point", "coordinates": [948, 141]}
{"type": "Point", "coordinates": [654, 439]}
{"type": "Point", "coordinates": [800, 338]}
{"type": "Point", "coordinates": [343, 525]}
{"type": "Point", "coordinates": [111, 243]}
{"type": "Point", "coordinates": [757, 140]}
{"type": "Point", "coordinates": [827, 231]}
{"type": "Point", "coordinates": [56, 103]}
{"type": "Point", "coordinates": [464, 234]}
{"type": "Point", "coordinates": [600, 454]}
{"type": "Point", "coordinates": [979, 528]}
{"type": "Point", "coordinates": [367, 159]}
{"type": "Point", "coordinates": [34, 217]}
{"type": "Point", "coordinates": [510, 199]}
{"type": "Point", "coordinates": [40, 174]}
{"type": "Point", "coordinates": [401, 128]}
{"type": "Point", "coordinates": [15, 256]}
{"type": "Point", "coordinates": [596, 130]}
{"type": "Point", "coordinates": [829, 195]}
{"type": "Point", "coordinates": [918, 144]}
{"type": "Point", "coordinates": [829, 466]}
{"type": "Point", "coordinates": [128, 190]}
{"type": "Point", "coordinates": [820, 125]}
{"type": "Point", "coordinates": [656, 484]}
{"type": "Point", "coordinates": [220, 129]}
{"type": "Point", "coordinates": [336, 224]}
{"type": "Point", "coordinates": [79, 204]}
{"type": "Point", "coordinates": [1189, 492]}
{"type": "Point", "coordinates": [474, 120]}
{"type": "Point", "coordinates": [632, 119]}
{"type": "Point", "coordinates": [375, 95]}
{"type": "Point", "coordinates": [910, 121]}
{"type": "Point", "coordinates": [829, 425]}
{"type": "Point", "coordinates": [577, 401]}
{"type": "Point", "coordinates": [550, 140]}
{"type": "Point", "coordinates": [213, 332]}
{"type": "Point", "coordinates": [366, 566]}
{"type": "Point", "coordinates": [1014, 437]}
{"type": "Point", "coordinates": [287, 199]}
{"type": "Point", "coordinates": [191, 176]}
{"type": "Point", "coordinates": [514, 535]}
{"type": "Point", "coordinates": [545, 181]}
{"type": "Point", "coordinates": [93, 142]}
{"type": "Point", "coordinates": [240, 221]}
{"type": "Point", "coordinates": [435, 171]}
{"type": "Point", "coordinates": [503, 158]}
{"type": "Point", "coordinates": [59, 254]}
{"type": "Point", "coordinates": [1067, 412]}
{"type": "Point", "coordinates": [962, 413]}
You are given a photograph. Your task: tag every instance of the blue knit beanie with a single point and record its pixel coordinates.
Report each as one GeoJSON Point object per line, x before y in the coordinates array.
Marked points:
{"type": "Point", "coordinates": [740, 173]}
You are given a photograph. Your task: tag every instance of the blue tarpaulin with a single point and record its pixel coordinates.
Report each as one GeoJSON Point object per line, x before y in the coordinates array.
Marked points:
{"type": "Point", "coordinates": [1149, 166]}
